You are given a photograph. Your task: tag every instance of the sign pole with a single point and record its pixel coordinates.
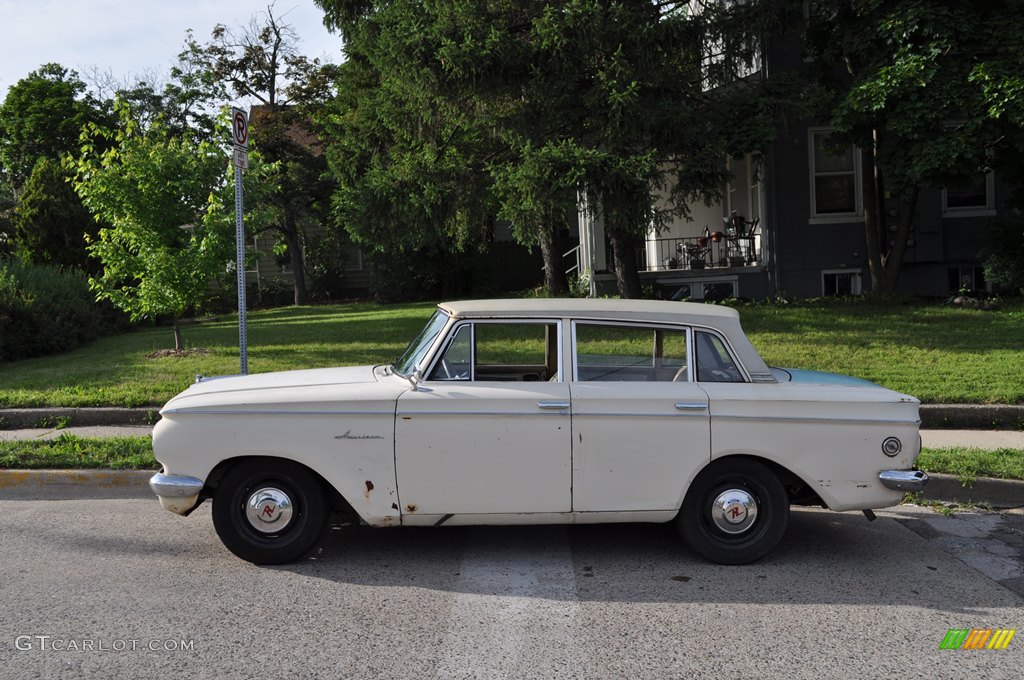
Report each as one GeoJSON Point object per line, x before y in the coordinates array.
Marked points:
{"type": "Point", "coordinates": [240, 128]}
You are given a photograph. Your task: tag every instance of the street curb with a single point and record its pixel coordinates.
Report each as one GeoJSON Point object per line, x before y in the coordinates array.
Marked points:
{"type": "Point", "coordinates": [972, 417]}
{"type": "Point", "coordinates": [85, 484]}
{"type": "Point", "coordinates": [998, 493]}
{"type": "Point", "coordinates": [26, 485]}
{"type": "Point", "coordinates": [26, 418]}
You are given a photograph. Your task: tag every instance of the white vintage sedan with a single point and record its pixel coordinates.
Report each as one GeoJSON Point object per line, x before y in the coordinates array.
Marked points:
{"type": "Point", "coordinates": [537, 412]}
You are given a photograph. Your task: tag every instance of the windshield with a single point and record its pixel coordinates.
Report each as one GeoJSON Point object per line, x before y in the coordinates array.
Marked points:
{"type": "Point", "coordinates": [409, 362]}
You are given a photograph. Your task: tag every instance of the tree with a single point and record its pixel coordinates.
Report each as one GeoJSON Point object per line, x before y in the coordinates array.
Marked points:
{"type": "Point", "coordinates": [920, 88]}
{"type": "Point", "coordinates": [51, 225]}
{"type": "Point", "coordinates": [42, 116]}
{"type": "Point", "coordinates": [614, 97]}
{"type": "Point", "coordinates": [169, 231]}
{"type": "Point", "coordinates": [261, 62]}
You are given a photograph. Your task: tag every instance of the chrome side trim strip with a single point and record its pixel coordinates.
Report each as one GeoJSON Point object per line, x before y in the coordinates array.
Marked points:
{"type": "Point", "coordinates": [903, 480]}
{"type": "Point", "coordinates": [175, 486]}
{"type": "Point", "coordinates": [553, 404]}
{"type": "Point", "coordinates": [811, 419]}
{"type": "Point", "coordinates": [253, 412]}
{"type": "Point", "coordinates": [529, 414]}
{"type": "Point", "coordinates": [602, 414]}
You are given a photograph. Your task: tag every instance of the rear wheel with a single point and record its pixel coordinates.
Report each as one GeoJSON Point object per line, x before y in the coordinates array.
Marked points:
{"type": "Point", "coordinates": [735, 512]}
{"type": "Point", "coordinates": [269, 512]}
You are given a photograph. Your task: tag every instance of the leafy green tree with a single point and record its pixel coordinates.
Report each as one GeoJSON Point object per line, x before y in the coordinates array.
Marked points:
{"type": "Point", "coordinates": [529, 99]}
{"type": "Point", "coordinates": [169, 213]}
{"type": "Point", "coordinates": [261, 62]}
{"type": "Point", "coordinates": [929, 91]}
{"type": "Point", "coordinates": [51, 225]}
{"type": "Point", "coordinates": [42, 116]}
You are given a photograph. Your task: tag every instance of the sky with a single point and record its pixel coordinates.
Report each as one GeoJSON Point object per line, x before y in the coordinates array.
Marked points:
{"type": "Point", "coordinates": [134, 37]}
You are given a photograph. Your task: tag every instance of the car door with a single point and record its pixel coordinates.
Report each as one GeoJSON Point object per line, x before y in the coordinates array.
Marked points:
{"type": "Point", "coordinates": [641, 426]}
{"type": "Point", "coordinates": [488, 430]}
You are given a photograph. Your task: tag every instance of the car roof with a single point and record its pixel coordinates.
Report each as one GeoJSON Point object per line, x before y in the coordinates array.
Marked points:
{"type": "Point", "coordinates": [634, 310]}
{"type": "Point", "coordinates": [724, 319]}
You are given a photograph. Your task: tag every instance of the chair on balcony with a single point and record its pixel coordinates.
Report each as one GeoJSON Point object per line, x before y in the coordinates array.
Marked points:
{"type": "Point", "coordinates": [739, 235]}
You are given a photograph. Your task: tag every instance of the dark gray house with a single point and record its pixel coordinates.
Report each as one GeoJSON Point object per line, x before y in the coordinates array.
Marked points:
{"type": "Point", "coordinates": [792, 223]}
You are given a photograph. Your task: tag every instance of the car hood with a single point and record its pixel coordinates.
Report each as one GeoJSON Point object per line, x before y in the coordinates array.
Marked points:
{"type": "Point", "coordinates": [320, 389]}
{"type": "Point", "coordinates": [798, 375]}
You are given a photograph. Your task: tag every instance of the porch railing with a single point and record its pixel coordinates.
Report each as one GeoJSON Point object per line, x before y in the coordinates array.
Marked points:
{"type": "Point", "coordinates": [697, 252]}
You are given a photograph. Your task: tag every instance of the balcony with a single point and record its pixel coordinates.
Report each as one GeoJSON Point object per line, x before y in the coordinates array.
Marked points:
{"type": "Point", "coordinates": [694, 253]}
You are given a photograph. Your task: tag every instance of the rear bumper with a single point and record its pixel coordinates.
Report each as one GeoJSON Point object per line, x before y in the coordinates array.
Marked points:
{"type": "Point", "coordinates": [177, 493]}
{"type": "Point", "coordinates": [903, 480]}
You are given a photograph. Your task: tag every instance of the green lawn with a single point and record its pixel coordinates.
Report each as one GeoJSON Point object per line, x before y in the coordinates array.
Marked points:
{"type": "Point", "coordinates": [937, 353]}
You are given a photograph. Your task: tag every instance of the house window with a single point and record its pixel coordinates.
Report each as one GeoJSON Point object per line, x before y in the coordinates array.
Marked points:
{"type": "Point", "coordinates": [968, 277]}
{"type": "Point", "coordinates": [352, 258]}
{"type": "Point", "coordinates": [718, 290]}
{"type": "Point", "coordinates": [971, 198]}
{"type": "Point", "coordinates": [834, 178]}
{"type": "Point", "coordinates": [840, 282]}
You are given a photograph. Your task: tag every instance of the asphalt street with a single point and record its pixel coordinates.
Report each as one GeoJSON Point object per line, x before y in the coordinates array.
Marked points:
{"type": "Point", "coordinates": [121, 588]}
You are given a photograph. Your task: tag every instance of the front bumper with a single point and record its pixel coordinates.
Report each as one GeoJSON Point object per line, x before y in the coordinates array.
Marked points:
{"type": "Point", "coordinates": [903, 480]}
{"type": "Point", "coordinates": [177, 493]}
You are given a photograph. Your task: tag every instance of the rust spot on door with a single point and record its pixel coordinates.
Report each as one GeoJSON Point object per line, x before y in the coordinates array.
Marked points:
{"type": "Point", "coordinates": [412, 507]}
{"type": "Point", "coordinates": [369, 488]}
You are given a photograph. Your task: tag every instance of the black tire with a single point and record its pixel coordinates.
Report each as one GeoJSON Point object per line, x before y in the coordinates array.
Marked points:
{"type": "Point", "coordinates": [754, 536]}
{"type": "Point", "coordinates": [272, 544]}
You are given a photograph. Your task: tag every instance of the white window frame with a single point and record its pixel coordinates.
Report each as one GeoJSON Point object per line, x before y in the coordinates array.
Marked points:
{"type": "Point", "coordinates": [856, 285]}
{"type": "Point", "coordinates": [987, 210]}
{"type": "Point", "coordinates": [858, 197]}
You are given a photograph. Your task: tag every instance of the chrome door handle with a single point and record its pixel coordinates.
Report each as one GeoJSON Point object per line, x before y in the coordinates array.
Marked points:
{"type": "Point", "coordinates": [691, 406]}
{"type": "Point", "coordinates": [558, 405]}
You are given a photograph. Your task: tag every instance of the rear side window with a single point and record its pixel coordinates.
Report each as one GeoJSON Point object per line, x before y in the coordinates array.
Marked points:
{"type": "Point", "coordinates": [630, 353]}
{"type": "Point", "coordinates": [714, 363]}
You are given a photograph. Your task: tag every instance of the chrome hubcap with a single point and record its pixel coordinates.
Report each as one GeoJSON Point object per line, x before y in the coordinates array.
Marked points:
{"type": "Point", "coordinates": [734, 511]}
{"type": "Point", "coordinates": [269, 510]}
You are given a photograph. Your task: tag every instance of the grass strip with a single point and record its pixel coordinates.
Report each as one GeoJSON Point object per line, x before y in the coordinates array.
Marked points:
{"type": "Point", "coordinates": [970, 463]}
{"type": "Point", "coordinates": [69, 451]}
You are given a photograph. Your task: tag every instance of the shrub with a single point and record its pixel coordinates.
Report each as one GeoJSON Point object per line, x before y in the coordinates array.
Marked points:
{"type": "Point", "coordinates": [1004, 255]}
{"type": "Point", "coordinates": [46, 309]}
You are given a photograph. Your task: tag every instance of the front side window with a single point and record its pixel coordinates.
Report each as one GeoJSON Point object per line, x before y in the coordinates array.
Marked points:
{"type": "Point", "coordinates": [630, 353]}
{"type": "Point", "coordinates": [834, 178]}
{"type": "Point", "coordinates": [714, 363]}
{"type": "Point", "coordinates": [500, 352]}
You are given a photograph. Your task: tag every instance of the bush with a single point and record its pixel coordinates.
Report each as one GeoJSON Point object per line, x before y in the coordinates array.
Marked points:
{"type": "Point", "coordinates": [47, 309]}
{"type": "Point", "coordinates": [1004, 256]}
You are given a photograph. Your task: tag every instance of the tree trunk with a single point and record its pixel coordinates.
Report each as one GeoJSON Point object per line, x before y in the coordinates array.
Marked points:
{"type": "Point", "coordinates": [894, 260]}
{"type": "Point", "coordinates": [177, 334]}
{"type": "Point", "coordinates": [555, 281]}
{"type": "Point", "coordinates": [291, 235]}
{"type": "Point", "coordinates": [874, 221]}
{"type": "Point", "coordinates": [885, 259]}
{"type": "Point", "coordinates": [626, 274]}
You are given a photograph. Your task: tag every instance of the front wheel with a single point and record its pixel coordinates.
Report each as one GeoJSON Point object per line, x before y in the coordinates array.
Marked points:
{"type": "Point", "coordinates": [269, 512]}
{"type": "Point", "coordinates": [735, 512]}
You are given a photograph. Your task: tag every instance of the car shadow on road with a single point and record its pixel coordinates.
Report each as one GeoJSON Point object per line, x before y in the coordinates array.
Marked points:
{"type": "Point", "coordinates": [830, 558]}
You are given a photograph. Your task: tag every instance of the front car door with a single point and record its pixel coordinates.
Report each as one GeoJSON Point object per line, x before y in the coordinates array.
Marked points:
{"type": "Point", "coordinates": [488, 429]}
{"type": "Point", "coordinates": [641, 427]}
